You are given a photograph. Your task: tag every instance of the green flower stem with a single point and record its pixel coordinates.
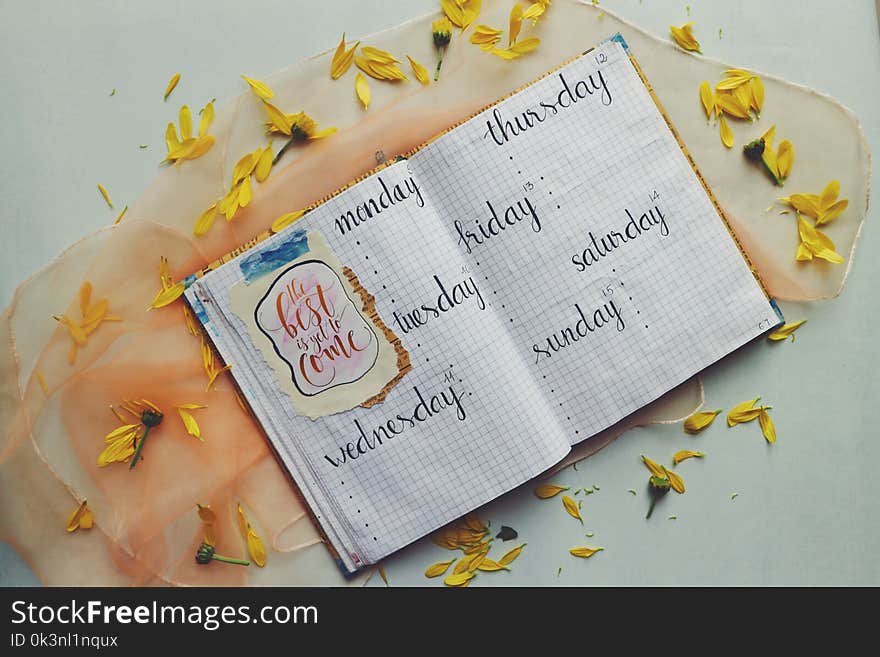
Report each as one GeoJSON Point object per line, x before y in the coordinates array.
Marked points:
{"type": "Point", "coordinates": [140, 446]}
{"type": "Point", "coordinates": [440, 53]}
{"type": "Point", "coordinates": [654, 499]}
{"type": "Point", "coordinates": [240, 562]}
{"type": "Point", "coordinates": [282, 151]}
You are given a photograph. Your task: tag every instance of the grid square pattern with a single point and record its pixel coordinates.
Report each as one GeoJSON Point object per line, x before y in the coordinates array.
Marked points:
{"type": "Point", "coordinates": [692, 289]}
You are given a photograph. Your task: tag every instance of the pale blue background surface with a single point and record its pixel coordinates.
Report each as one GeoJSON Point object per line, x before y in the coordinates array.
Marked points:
{"type": "Point", "coordinates": [807, 510]}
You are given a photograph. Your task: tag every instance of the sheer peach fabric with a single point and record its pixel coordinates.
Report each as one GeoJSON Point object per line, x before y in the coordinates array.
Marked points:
{"type": "Point", "coordinates": [147, 530]}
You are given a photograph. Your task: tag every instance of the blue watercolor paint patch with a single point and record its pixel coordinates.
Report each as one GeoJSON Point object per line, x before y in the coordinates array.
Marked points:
{"type": "Point", "coordinates": [198, 309]}
{"type": "Point", "coordinates": [271, 257]}
{"type": "Point", "coordinates": [778, 311]}
{"type": "Point", "coordinates": [618, 37]}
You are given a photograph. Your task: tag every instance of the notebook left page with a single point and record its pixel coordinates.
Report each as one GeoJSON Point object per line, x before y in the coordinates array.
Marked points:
{"type": "Point", "coordinates": [372, 358]}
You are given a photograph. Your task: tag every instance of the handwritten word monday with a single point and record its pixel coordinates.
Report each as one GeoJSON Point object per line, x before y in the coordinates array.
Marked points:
{"type": "Point", "coordinates": [383, 198]}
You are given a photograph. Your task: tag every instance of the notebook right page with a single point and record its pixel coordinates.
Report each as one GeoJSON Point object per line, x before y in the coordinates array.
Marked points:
{"type": "Point", "coordinates": [601, 249]}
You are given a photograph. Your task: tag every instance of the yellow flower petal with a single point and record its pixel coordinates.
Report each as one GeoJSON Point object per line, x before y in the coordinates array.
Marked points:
{"type": "Point", "coordinates": [832, 212]}
{"type": "Point", "coordinates": [262, 90]}
{"type": "Point", "coordinates": [685, 454]}
{"type": "Point", "coordinates": [42, 382]}
{"type": "Point", "coordinates": [172, 83]}
{"type": "Point", "coordinates": [207, 119]}
{"type": "Point", "coordinates": [85, 297]}
{"type": "Point", "coordinates": [342, 59]}
{"type": "Point", "coordinates": [198, 148]}
{"type": "Point", "coordinates": [189, 422]}
{"type": "Point", "coordinates": [545, 491]}
{"type": "Point", "coordinates": [171, 141]}
{"type": "Point", "coordinates": [726, 132]}
{"type": "Point", "coordinates": [739, 409]}
{"type": "Point", "coordinates": [437, 569]}
{"type": "Point", "coordinates": [572, 508]}
{"type": "Point", "coordinates": [757, 89]}
{"type": "Point", "coordinates": [470, 9]}
{"type": "Point", "coordinates": [767, 427]}
{"type": "Point", "coordinates": [584, 552]}
{"type": "Point", "coordinates": [829, 194]}
{"type": "Point", "coordinates": [484, 36]}
{"type": "Point", "coordinates": [733, 82]}
{"type": "Point", "coordinates": [167, 296]}
{"type": "Point", "coordinates": [244, 193]}
{"type": "Point", "coordinates": [732, 105]}
{"type": "Point", "coordinates": [105, 194]}
{"type": "Point", "coordinates": [675, 480]}
{"type": "Point", "coordinates": [784, 158]}
{"type": "Point", "coordinates": [362, 89]}
{"type": "Point", "coordinates": [807, 204]}
{"type": "Point", "coordinates": [419, 71]}
{"type": "Point", "coordinates": [488, 565]}
{"type": "Point", "coordinates": [684, 37]}
{"type": "Point", "coordinates": [80, 513]}
{"type": "Point", "coordinates": [525, 46]}
{"type": "Point", "coordinates": [185, 120]}
{"type": "Point", "coordinates": [255, 546]}
{"type": "Point", "coordinates": [264, 165]}
{"type": "Point", "coordinates": [700, 420]}
{"type": "Point", "coordinates": [653, 467]}
{"type": "Point", "coordinates": [458, 579]}
{"type": "Point", "coordinates": [785, 331]}
{"type": "Point", "coordinates": [285, 220]}
{"type": "Point", "coordinates": [511, 556]}
{"type": "Point", "coordinates": [516, 19]}
{"type": "Point", "coordinates": [454, 11]}
{"type": "Point", "coordinates": [277, 118]}
{"type": "Point", "coordinates": [534, 12]}
{"type": "Point", "coordinates": [817, 242]}
{"type": "Point", "coordinates": [206, 514]}
{"type": "Point", "coordinates": [120, 215]}
{"type": "Point", "coordinates": [378, 56]}
{"type": "Point", "coordinates": [205, 221]}
{"type": "Point", "coordinates": [707, 99]}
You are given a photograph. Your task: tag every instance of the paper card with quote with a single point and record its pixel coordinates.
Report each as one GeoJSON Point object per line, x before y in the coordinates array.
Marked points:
{"type": "Point", "coordinates": [318, 329]}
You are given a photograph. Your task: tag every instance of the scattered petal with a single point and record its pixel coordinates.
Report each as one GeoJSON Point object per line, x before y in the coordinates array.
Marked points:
{"type": "Point", "coordinates": [726, 133]}
{"type": "Point", "coordinates": [700, 420]}
{"type": "Point", "coordinates": [168, 295]}
{"type": "Point", "coordinates": [120, 215]}
{"type": "Point", "coordinates": [675, 480]}
{"type": "Point", "coordinates": [81, 518]}
{"type": "Point", "coordinates": [739, 410]}
{"type": "Point", "coordinates": [584, 552]}
{"type": "Point", "coordinates": [189, 422]}
{"type": "Point", "coordinates": [419, 71]}
{"type": "Point", "coordinates": [653, 467]}
{"type": "Point", "coordinates": [362, 89]}
{"type": "Point", "coordinates": [684, 37]}
{"type": "Point", "coordinates": [437, 569]}
{"type": "Point", "coordinates": [342, 59]}
{"type": "Point", "coordinates": [732, 105]}
{"type": "Point", "coordinates": [277, 119]}
{"type": "Point", "coordinates": [206, 120]}
{"type": "Point", "coordinates": [545, 491]}
{"type": "Point", "coordinates": [511, 556]}
{"type": "Point", "coordinates": [685, 454]}
{"type": "Point", "coordinates": [172, 83]}
{"type": "Point", "coordinates": [516, 19]}
{"type": "Point", "coordinates": [572, 508]}
{"type": "Point", "coordinates": [105, 194]}
{"type": "Point", "coordinates": [488, 565]}
{"type": "Point", "coordinates": [262, 90]}
{"type": "Point", "coordinates": [285, 220]}
{"type": "Point", "coordinates": [707, 98]}
{"type": "Point", "coordinates": [784, 158]}
{"type": "Point", "coordinates": [785, 331]}
{"type": "Point", "coordinates": [458, 579]}
{"type": "Point", "coordinates": [757, 89]}
{"type": "Point", "coordinates": [767, 427]}
{"type": "Point", "coordinates": [205, 221]}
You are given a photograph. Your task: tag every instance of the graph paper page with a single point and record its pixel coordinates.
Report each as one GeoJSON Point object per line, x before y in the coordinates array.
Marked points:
{"type": "Point", "coordinates": [600, 250]}
{"type": "Point", "coordinates": [465, 424]}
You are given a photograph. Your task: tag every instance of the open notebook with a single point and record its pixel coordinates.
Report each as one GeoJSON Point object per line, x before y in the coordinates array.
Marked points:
{"type": "Point", "coordinates": [448, 327]}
